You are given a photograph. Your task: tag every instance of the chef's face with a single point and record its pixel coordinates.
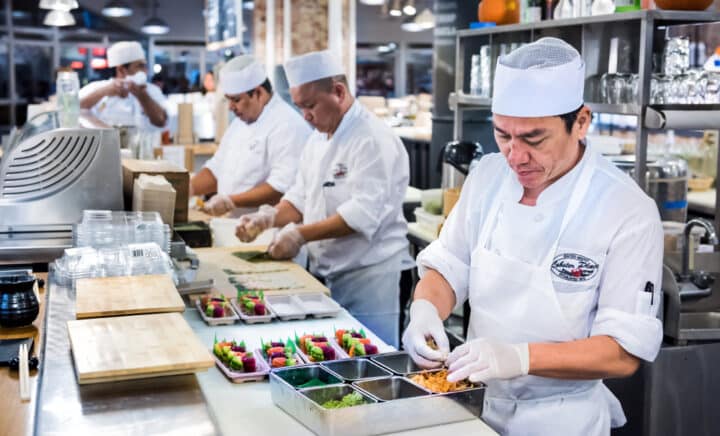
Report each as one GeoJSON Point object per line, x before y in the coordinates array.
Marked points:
{"type": "Point", "coordinates": [540, 150]}
{"type": "Point", "coordinates": [321, 106]}
{"type": "Point", "coordinates": [131, 68]}
{"type": "Point", "coordinates": [245, 106]}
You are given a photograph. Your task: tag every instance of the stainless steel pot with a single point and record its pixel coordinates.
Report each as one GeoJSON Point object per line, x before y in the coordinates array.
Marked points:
{"type": "Point", "coordinates": [666, 182]}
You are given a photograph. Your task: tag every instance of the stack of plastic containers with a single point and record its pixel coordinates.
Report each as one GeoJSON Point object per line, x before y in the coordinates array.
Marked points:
{"type": "Point", "coordinates": [109, 244]}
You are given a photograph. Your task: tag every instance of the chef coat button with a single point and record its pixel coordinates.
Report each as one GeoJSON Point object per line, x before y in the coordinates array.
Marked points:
{"type": "Point", "coordinates": [539, 217]}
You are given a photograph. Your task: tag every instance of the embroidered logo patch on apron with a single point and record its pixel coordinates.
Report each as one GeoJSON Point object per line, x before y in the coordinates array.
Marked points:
{"type": "Point", "coordinates": [574, 267]}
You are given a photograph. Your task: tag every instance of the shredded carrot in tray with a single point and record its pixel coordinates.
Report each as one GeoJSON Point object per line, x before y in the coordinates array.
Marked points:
{"type": "Point", "coordinates": [436, 381]}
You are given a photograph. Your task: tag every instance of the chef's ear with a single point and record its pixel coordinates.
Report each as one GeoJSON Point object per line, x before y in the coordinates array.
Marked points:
{"type": "Point", "coordinates": [583, 120]}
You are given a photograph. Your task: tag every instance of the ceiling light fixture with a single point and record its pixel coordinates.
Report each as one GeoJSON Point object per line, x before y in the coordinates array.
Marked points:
{"type": "Point", "coordinates": [425, 19]}
{"type": "Point", "coordinates": [154, 25]}
{"type": "Point", "coordinates": [372, 2]}
{"type": "Point", "coordinates": [58, 5]}
{"type": "Point", "coordinates": [117, 8]}
{"type": "Point", "coordinates": [395, 10]}
{"type": "Point", "coordinates": [411, 26]}
{"type": "Point", "coordinates": [59, 18]}
{"type": "Point", "coordinates": [409, 8]}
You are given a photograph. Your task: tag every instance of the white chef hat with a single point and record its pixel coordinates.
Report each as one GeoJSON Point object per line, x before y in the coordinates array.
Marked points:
{"type": "Point", "coordinates": [124, 52]}
{"type": "Point", "coordinates": [241, 74]}
{"type": "Point", "coordinates": [312, 66]}
{"type": "Point", "coordinates": [543, 78]}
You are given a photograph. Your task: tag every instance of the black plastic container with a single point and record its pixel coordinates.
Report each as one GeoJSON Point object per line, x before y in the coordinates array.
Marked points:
{"type": "Point", "coordinates": [18, 304]}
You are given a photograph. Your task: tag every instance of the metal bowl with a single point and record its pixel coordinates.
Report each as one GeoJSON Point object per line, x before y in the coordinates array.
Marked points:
{"type": "Point", "coordinates": [296, 376]}
{"type": "Point", "coordinates": [399, 362]}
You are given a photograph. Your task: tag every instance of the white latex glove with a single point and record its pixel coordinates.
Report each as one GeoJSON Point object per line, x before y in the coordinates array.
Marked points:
{"type": "Point", "coordinates": [219, 204]}
{"type": "Point", "coordinates": [252, 224]}
{"type": "Point", "coordinates": [425, 323]}
{"type": "Point", "coordinates": [481, 360]}
{"type": "Point", "coordinates": [286, 243]}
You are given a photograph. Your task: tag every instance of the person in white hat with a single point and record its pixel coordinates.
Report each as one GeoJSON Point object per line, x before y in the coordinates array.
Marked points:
{"type": "Point", "coordinates": [346, 203]}
{"type": "Point", "coordinates": [258, 156]}
{"type": "Point", "coordinates": [558, 253]}
{"type": "Point", "coordinates": [127, 98]}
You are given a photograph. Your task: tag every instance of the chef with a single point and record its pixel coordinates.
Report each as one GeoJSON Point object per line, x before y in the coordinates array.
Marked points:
{"type": "Point", "coordinates": [259, 152]}
{"type": "Point", "coordinates": [346, 203]}
{"type": "Point", "coordinates": [559, 254]}
{"type": "Point", "coordinates": [126, 99]}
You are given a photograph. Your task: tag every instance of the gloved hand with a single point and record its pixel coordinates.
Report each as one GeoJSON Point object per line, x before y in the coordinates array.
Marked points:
{"type": "Point", "coordinates": [252, 224]}
{"type": "Point", "coordinates": [219, 204]}
{"type": "Point", "coordinates": [286, 243]}
{"type": "Point", "coordinates": [425, 323]}
{"type": "Point", "coordinates": [481, 360]}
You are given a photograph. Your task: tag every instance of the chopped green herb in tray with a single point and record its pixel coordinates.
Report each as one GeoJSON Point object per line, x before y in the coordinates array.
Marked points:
{"type": "Point", "coordinates": [313, 382]}
{"type": "Point", "coordinates": [349, 400]}
{"type": "Point", "coordinates": [253, 256]}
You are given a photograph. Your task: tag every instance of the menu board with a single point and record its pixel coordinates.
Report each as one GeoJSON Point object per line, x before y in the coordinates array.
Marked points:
{"type": "Point", "coordinates": [223, 23]}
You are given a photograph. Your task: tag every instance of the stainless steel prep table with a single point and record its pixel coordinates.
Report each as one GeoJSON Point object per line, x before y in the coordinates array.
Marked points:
{"type": "Point", "coordinates": [206, 403]}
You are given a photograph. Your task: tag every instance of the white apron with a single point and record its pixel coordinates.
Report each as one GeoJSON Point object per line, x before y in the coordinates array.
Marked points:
{"type": "Point", "coordinates": [514, 302]}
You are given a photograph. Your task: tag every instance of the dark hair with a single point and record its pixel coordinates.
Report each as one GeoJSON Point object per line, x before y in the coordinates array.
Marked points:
{"type": "Point", "coordinates": [266, 85]}
{"type": "Point", "coordinates": [326, 84]}
{"type": "Point", "coordinates": [570, 118]}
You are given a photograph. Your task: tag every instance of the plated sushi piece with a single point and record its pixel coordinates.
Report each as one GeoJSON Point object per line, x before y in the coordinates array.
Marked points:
{"type": "Point", "coordinates": [237, 363]}
{"type": "Point", "coordinates": [355, 342]}
{"type": "Point", "coordinates": [280, 354]}
{"type": "Point", "coordinates": [315, 348]}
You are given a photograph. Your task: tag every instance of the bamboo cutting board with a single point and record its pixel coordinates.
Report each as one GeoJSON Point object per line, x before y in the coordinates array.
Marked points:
{"type": "Point", "coordinates": [126, 295]}
{"type": "Point", "coordinates": [131, 347]}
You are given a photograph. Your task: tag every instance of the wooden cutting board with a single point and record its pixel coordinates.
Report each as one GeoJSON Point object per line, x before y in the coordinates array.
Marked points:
{"type": "Point", "coordinates": [127, 295]}
{"type": "Point", "coordinates": [139, 346]}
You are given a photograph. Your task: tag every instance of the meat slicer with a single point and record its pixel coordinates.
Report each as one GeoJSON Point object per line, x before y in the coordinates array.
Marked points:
{"type": "Point", "coordinates": [48, 176]}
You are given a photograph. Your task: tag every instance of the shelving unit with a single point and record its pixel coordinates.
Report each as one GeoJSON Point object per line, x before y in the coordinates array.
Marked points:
{"type": "Point", "coordinates": [645, 32]}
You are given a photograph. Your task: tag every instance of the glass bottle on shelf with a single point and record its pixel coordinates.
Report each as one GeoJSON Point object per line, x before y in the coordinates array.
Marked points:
{"type": "Point", "coordinates": [68, 99]}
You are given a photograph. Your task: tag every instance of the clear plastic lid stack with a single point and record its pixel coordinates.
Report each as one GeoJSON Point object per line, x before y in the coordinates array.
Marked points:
{"type": "Point", "coordinates": [112, 229]}
{"type": "Point", "coordinates": [132, 259]}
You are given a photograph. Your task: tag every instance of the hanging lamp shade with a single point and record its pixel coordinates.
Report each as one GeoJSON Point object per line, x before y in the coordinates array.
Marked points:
{"type": "Point", "coordinates": [59, 18]}
{"type": "Point", "coordinates": [117, 8]}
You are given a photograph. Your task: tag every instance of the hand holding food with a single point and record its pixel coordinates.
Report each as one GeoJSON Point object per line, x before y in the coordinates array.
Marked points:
{"type": "Point", "coordinates": [252, 224]}
{"type": "Point", "coordinates": [481, 360]}
{"type": "Point", "coordinates": [425, 323]}
{"type": "Point", "coordinates": [286, 243]}
{"type": "Point", "coordinates": [219, 204]}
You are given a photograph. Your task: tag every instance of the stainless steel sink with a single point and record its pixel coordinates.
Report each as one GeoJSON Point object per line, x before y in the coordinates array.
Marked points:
{"type": "Point", "coordinates": [700, 326]}
{"type": "Point", "coordinates": [708, 262]}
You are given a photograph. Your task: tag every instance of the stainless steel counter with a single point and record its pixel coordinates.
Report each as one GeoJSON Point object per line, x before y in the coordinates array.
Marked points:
{"type": "Point", "coordinates": [164, 405]}
{"type": "Point", "coordinates": [206, 403]}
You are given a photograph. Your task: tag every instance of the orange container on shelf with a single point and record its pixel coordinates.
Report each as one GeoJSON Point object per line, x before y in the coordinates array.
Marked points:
{"type": "Point", "coordinates": [683, 5]}
{"type": "Point", "coordinates": [499, 11]}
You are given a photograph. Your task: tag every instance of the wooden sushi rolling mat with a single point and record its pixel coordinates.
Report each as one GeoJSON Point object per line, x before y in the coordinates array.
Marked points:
{"type": "Point", "coordinates": [112, 296]}
{"type": "Point", "coordinates": [139, 346]}
{"type": "Point", "coordinates": [275, 274]}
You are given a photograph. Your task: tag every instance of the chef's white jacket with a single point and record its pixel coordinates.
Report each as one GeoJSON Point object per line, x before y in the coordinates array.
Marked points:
{"type": "Point", "coordinates": [617, 228]}
{"type": "Point", "coordinates": [361, 173]}
{"type": "Point", "coordinates": [267, 150]}
{"type": "Point", "coordinates": [128, 111]}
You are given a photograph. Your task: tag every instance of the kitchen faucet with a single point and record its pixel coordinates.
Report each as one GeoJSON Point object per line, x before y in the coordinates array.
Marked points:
{"type": "Point", "coordinates": [700, 279]}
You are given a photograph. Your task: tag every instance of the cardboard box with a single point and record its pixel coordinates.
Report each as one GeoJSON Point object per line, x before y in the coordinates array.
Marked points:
{"type": "Point", "coordinates": [178, 177]}
{"type": "Point", "coordinates": [154, 193]}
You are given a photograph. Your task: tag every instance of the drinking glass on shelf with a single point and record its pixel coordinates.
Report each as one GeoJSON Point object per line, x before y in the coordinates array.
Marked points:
{"type": "Point", "coordinates": [659, 88]}
{"type": "Point", "coordinates": [632, 89]}
{"type": "Point", "coordinates": [712, 89]}
{"type": "Point", "coordinates": [616, 88]}
{"type": "Point", "coordinates": [676, 59]}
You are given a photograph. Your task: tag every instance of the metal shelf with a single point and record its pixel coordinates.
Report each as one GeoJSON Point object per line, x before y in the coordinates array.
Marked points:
{"type": "Point", "coordinates": [459, 99]}
{"type": "Point", "coordinates": [685, 116]}
{"type": "Point", "coordinates": [691, 16]}
{"type": "Point", "coordinates": [616, 109]}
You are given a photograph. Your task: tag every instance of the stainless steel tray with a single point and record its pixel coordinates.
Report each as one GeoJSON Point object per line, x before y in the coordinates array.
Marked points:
{"type": "Point", "coordinates": [395, 415]}
{"type": "Point", "coordinates": [351, 370]}
{"type": "Point", "coordinates": [398, 362]}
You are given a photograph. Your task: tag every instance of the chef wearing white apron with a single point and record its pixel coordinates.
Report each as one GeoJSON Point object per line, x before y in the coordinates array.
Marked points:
{"type": "Point", "coordinates": [559, 254]}
{"type": "Point", "coordinates": [258, 155]}
{"type": "Point", "coordinates": [127, 99]}
{"type": "Point", "coordinates": [346, 203]}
